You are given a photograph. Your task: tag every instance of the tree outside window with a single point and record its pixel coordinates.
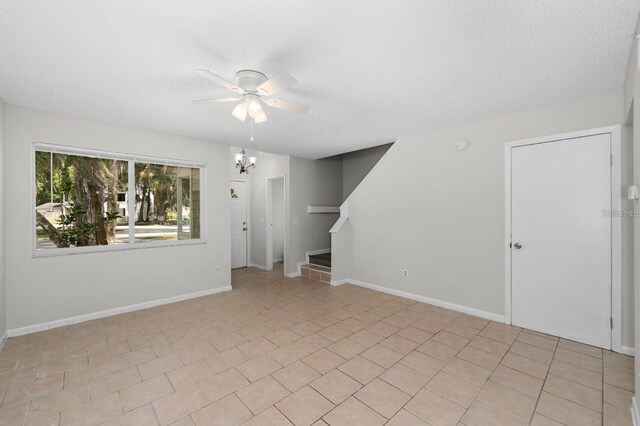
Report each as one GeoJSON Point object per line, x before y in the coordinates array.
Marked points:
{"type": "Point", "coordinates": [83, 201]}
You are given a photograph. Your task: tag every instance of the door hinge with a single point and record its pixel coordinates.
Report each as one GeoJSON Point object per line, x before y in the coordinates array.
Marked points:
{"type": "Point", "coordinates": [611, 322]}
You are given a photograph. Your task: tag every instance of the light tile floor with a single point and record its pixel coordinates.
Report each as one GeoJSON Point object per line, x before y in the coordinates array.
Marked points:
{"type": "Point", "coordinates": [280, 351]}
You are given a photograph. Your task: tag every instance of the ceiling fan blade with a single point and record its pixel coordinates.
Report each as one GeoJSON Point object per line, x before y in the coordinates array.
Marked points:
{"type": "Point", "coordinates": [277, 83]}
{"type": "Point", "coordinates": [217, 79]}
{"type": "Point", "coordinates": [215, 100]}
{"type": "Point", "coordinates": [288, 105]}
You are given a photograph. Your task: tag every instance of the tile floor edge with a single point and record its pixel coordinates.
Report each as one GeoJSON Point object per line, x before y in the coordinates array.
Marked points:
{"type": "Point", "coordinates": [424, 299]}
{"type": "Point", "coordinates": [20, 331]}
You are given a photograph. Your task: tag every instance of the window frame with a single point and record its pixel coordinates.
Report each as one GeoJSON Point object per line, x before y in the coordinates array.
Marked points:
{"type": "Point", "coordinates": [131, 159]}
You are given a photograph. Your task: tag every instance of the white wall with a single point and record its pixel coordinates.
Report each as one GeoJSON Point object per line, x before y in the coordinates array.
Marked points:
{"type": "Point", "coordinates": [278, 218]}
{"type": "Point", "coordinates": [53, 288]}
{"type": "Point", "coordinates": [628, 228]}
{"type": "Point", "coordinates": [632, 112]}
{"type": "Point", "coordinates": [357, 164]}
{"type": "Point", "coordinates": [439, 212]}
{"type": "Point", "coordinates": [3, 298]}
{"type": "Point", "coordinates": [267, 165]}
{"type": "Point", "coordinates": [307, 182]}
{"type": "Point", "coordinates": [312, 183]}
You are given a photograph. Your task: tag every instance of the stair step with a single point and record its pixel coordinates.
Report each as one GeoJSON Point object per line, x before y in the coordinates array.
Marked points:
{"type": "Point", "coordinates": [323, 259]}
{"type": "Point", "coordinates": [315, 272]}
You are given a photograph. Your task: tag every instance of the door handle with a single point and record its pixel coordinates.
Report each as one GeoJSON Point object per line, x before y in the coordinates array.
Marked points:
{"type": "Point", "coordinates": [517, 246]}
{"type": "Point", "coordinates": [244, 229]}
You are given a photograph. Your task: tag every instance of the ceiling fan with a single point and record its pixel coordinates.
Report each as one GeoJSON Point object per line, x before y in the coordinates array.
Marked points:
{"type": "Point", "coordinates": [254, 89]}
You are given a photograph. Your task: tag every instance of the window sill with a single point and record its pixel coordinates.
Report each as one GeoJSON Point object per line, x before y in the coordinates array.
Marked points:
{"type": "Point", "coordinates": [120, 247]}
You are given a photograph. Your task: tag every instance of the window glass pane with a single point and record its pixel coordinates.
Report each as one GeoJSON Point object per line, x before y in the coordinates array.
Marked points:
{"type": "Point", "coordinates": [79, 201]}
{"type": "Point", "coordinates": [167, 202]}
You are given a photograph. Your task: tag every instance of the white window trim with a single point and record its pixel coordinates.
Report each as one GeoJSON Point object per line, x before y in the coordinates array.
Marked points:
{"type": "Point", "coordinates": [131, 159]}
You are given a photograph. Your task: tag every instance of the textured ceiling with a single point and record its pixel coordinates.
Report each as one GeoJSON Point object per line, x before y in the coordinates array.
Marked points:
{"type": "Point", "coordinates": [372, 71]}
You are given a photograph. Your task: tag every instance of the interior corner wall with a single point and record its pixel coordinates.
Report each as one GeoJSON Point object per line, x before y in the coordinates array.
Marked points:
{"type": "Point", "coordinates": [628, 229]}
{"type": "Point", "coordinates": [267, 165]}
{"type": "Point", "coordinates": [3, 297]}
{"type": "Point", "coordinates": [312, 183]}
{"type": "Point", "coordinates": [278, 219]}
{"type": "Point", "coordinates": [357, 164]}
{"type": "Point", "coordinates": [45, 289]}
{"type": "Point", "coordinates": [439, 212]}
{"type": "Point", "coordinates": [632, 112]}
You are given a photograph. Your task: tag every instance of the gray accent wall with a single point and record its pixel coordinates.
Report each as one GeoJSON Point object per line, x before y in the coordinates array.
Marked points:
{"type": "Point", "coordinates": [312, 183]}
{"type": "Point", "coordinates": [357, 164]}
{"type": "Point", "coordinates": [306, 183]}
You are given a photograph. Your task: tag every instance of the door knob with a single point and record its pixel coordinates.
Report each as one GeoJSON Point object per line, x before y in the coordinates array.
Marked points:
{"type": "Point", "coordinates": [517, 246]}
{"type": "Point", "coordinates": [244, 229]}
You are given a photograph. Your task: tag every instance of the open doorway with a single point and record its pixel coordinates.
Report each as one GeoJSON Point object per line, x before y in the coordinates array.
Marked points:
{"type": "Point", "coordinates": [275, 223]}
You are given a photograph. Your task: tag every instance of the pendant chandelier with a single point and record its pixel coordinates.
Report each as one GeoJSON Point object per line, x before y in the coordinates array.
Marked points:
{"type": "Point", "coordinates": [243, 162]}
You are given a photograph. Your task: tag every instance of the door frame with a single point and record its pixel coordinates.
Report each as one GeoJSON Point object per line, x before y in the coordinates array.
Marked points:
{"type": "Point", "coordinates": [269, 219]}
{"type": "Point", "coordinates": [248, 215]}
{"type": "Point", "coordinates": [616, 221]}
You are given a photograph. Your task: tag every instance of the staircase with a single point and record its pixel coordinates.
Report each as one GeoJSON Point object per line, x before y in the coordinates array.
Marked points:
{"type": "Point", "coordinates": [318, 268]}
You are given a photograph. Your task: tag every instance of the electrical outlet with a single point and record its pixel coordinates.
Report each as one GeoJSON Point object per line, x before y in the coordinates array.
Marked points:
{"type": "Point", "coordinates": [405, 273]}
{"type": "Point", "coordinates": [296, 220]}
{"type": "Point", "coordinates": [217, 269]}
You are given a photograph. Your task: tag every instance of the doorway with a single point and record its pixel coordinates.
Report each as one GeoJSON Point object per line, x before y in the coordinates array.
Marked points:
{"type": "Point", "coordinates": [239, 223]}
{"type": "Point", "coordinates": [563, 236]}
{"type": "Point", "coordinates": [275, 222]}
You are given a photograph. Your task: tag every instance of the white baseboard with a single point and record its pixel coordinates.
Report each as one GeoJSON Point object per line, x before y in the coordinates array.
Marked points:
{"type": "Point", "coordinates": [635, 415]}
{"type": "Point", "coordinates": [418, 298]}
{"type": "Point", "coordinates": [626, 350]}
{"type": "Point", "coordinates": [280, 260]}
{"type": "Point", "coordinates": [294, 274]}
{"type": "Point", "coordinates": [291, 274]}
{"type": "Point", "coordinates": [255, 265]}
{"type": "Point", "coordinates": [4, 338]}
{"type": "Point", "coordinates": [110, 312]}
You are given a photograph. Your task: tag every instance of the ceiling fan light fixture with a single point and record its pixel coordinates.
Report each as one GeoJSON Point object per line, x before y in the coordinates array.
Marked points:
{"type": "Point", "coordinates": [240, 111]}
{"type": "Point", "coordinates": [261, 117]}
{"type": "Point", "coordinates": [254, 106]}
{"type": "Point", "coordinates": [253, 85]}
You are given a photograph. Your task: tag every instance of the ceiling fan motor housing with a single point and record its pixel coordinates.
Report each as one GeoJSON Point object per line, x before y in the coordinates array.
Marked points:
{"type": "Point", "coordinates": [249, 80]}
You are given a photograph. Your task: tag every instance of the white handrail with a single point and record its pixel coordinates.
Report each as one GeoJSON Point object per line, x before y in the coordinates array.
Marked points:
{"type": "Point", "coordinates": [344, 215]}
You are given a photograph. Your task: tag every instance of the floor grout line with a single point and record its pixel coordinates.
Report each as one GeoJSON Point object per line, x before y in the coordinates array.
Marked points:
{"type": "Point", "coordinates": [326, 308]}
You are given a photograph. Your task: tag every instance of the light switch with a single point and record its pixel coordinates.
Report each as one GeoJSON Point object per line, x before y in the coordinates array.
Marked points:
{"type": "Point", "coordinates": [634, 193]}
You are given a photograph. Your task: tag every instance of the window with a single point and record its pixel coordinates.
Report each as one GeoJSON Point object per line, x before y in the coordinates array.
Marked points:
{"type": "Point", "coordinates": [91, 201]}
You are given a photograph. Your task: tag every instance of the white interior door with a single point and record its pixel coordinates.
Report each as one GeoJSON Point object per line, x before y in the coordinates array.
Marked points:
{"type": "Point", "coordinates": [238, 224]}
{"type": "Point", "coordinates": [561, 239]}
